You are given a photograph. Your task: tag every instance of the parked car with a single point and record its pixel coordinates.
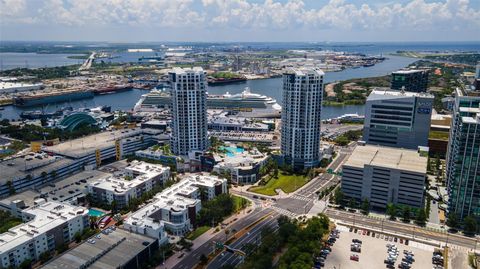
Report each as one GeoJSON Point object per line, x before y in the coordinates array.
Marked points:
{"type": "Point", "coordinates": [354, 257]}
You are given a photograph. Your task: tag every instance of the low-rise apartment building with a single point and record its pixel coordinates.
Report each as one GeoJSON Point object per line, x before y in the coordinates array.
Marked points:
{"type": "Point", "coordinates": [175, 209]}
{"type": "Point", "coordinates": [47, 226]}
{"type": "Point", "coordinates": [135, 180]}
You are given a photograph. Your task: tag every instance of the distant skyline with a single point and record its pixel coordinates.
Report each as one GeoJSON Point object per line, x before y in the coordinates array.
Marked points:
{"type": "Point", "coordinates": [240, 20]}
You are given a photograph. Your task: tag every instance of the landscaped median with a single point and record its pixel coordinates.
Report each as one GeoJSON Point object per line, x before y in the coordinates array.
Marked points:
{"type": "Point", "coordinates": [287, 182]}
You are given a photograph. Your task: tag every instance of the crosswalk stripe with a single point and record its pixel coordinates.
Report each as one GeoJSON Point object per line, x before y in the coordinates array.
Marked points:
{"type": "Point", "coordinates": [284, 212]}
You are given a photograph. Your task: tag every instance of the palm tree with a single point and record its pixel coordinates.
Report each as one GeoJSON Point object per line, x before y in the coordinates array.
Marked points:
{"type": "Point", "coordinates": [44, 176]}
{"type": "Point", "coordinates": [53, 174]}
{"type": "Point", "coordinates": [11, 188]}
{"type": "Point", "coordinates": [227, 231]}
{"type": "Point", "coordinates": [203, 194]}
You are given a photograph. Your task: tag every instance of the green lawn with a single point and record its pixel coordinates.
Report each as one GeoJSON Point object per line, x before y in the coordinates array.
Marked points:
{"type": "Point", "coordinates": [8, 221]}
{"type": "Point", "coordinates": [237, 203]}
{"type": "Point", "coordinates": [197, 232]}
{"type": "Point", "coordinates": [288, 183]}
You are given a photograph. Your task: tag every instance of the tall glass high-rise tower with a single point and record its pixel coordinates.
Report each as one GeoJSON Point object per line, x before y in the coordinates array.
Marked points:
{"type": "Point", "coordinates": [463, 158]}
{"type": "Point", "coordinates": [189, 110]}
{"type": "Point", "coordinates": [302, 106]}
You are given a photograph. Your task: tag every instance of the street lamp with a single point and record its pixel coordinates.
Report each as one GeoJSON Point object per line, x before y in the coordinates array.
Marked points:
{"type": "Point", "coordinates": [446, 242]}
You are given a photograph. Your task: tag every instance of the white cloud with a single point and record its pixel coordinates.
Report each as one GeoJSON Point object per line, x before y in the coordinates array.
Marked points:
{"type": "Point", "coordinates": [11, 8]}
{"type": "Point", "coordinates": [343, 15]}
{"type": "Point", "coordinates": [244, 14]}
{"type": "Point", "coordinates": [118, 12]}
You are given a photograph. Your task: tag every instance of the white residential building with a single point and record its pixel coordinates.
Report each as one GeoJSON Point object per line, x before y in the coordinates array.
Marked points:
{"type": "Point", "coordinates": [302, 106]}
{"type": "Point", "coordinates": [48, 225]}
{"type": "Point", "coordinates": [175, 209]}
{"type": "Point", "coordinates": [189, 110]}
{"type": "Point", "coordinates": [136, 179]}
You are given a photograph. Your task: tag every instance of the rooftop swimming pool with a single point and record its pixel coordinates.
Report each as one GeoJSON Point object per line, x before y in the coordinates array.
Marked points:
{"type": "Point", "coordinates": [95, 213]}
{"type": "Point", "coordinates": [232, 151]}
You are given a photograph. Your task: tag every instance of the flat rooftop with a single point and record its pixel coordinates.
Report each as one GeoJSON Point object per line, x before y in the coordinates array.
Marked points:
{"type": "Point", "coordinates": [71, 187]}
{"type": "Point", "coordinates": [87, 145]}
{"type": "Point", "coordinates": [474, 115]}
{"type": "Point", "coordinates": [120, 185]}
{"type": "Point", "coordinates": [394, 158]}
{"type": "Point", "coordinates": [380, 93]}
{"type": "Point", "coordinates": [31, 164]}
{"type": "Point", "coordinates": [28, 197]}
{"type": "Point", "coordinates": [409, 71]}
{"type": "Point", "coordinates": [179, 70]}
{"type": "Point", "coordinates": [124, 246]}
{"type": "Point", "coordinates": [46, 217]}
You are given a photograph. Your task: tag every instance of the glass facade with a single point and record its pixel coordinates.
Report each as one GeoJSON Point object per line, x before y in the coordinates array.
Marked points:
{"type": "Point", "coordinates": [463, 167]}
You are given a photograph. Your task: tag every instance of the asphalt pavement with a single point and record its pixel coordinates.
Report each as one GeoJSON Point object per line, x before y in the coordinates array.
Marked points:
{"type": "Point", "coordinates": [191, 258]}
{"type": "Point", "coordinates": [252, 237]}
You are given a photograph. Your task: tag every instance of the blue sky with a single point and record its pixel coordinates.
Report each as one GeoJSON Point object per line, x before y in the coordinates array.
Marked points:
{"type": "Point", "coordinates": [240, 20]}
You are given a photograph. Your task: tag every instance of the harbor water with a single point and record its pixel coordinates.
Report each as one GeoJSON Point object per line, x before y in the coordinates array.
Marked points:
{"type": "Point", "coordinates": [10, 60]}
{"type": "Point", "coordinates": [271, 87]}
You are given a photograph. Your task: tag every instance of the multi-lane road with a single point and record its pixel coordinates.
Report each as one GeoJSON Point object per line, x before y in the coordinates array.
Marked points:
{"type": "Point", "coordinates": [252, 237]}
{"type": "Point", "coordinates": [192, 258]}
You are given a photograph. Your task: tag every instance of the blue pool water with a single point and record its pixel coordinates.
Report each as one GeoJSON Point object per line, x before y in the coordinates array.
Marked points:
{"type": "Point", "coordinates": [231, 151]}
{"type": "Point", "coordinates": [95, 213]}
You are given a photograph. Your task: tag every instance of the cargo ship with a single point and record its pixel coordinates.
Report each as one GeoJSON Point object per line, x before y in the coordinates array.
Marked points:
{"type": "Point", "coordinates": [52, 97]}
{"type": "Point", "coordinates": [222, 81]}
{"type": "Point", "coordinates": [112, 89]}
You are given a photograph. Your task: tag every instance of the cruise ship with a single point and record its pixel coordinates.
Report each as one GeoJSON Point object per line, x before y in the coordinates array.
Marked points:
{"type": "Point", "coordinates": [246, 103]}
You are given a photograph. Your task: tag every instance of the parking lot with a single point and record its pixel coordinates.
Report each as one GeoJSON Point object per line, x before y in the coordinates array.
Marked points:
{"type": "Point", "coordinates": [374, 252]}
